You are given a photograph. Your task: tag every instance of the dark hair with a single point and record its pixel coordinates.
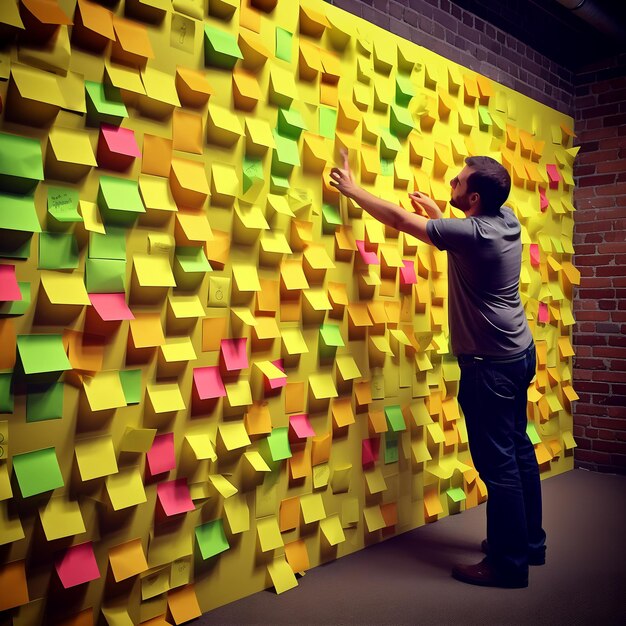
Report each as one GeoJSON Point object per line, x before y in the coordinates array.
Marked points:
{"type": "Point", "coordinates": [490, 180]}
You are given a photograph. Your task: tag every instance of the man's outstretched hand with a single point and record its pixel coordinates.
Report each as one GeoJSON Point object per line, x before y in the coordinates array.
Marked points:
{"type": "Point", "coordinates": [425, 206]}
{"type": "Point", "coordinates": [341, 178]}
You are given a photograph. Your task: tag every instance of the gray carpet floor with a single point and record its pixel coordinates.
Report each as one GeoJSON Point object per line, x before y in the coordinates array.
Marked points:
{"type": "Point", "coordinates": [406, 579]}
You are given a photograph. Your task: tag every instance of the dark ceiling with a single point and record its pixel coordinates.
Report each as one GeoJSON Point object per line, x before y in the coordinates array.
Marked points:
{"type": "Point", "coordinates": [554, 30]}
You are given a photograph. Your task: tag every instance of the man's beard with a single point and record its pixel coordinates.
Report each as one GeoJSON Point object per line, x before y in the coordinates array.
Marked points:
{"type": "Point", "coordinates": [460, 203]}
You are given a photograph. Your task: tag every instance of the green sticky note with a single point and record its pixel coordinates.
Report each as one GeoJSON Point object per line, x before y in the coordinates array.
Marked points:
{"type": "Point", "coordinates": [252, 172]}
{"type": "Point", "coordinates": [17, 307]}
{"type": "Point", "coordinates": [211, 538]}
{"type": "Point", "coordinates": [395, 419]}
{"type": "Point", "coordinates": [331, 218]}
{"type": "Point", "coordinates": [111, 245]}
{"type": "Point", "coordinates": [131, 385]}
{"type": "Point", "coordinates": [63, 204]}
{"type": "Point", "coordinates": [44, 403]}
{"type": "Point", "coordinates": [278, 442]}
{"type": "Point", "coordinates": [6, 394]}
{"type": "Point", "coordinates": [330, 339]}
{"type": "Point", "coordinates": [456, 494]}
{"type": "Point", "coordinates": [58, 251]}
{"type": "Point", "coordinates": [533, 435]}
{"type": "Point", "coordinates": [104, 105]}
{"type": "Point", "coordinates": [37, 472]}
{"type": "Point", "coordinates": [279, 184]}
{"type": "Point", "coordinates": [405, 89]}
{"type": "Point", "coordinates": [400, 121]}
{"type": "Point", "coordinates": [386, 167]}
{"type": "Point", "coordinates": [391, 448]}
{"type": "Point", "coordinates": [291, 123]}
{"type": "Point", "coordinates": [192, 259]}
{"type": "Point", "coordinates": [15, 244]}
{"type": "Point", "coordinates": [285, 155]}
{"type": "Point", "coordinates": [18, 213]}
{"type": "Point", "coordinates": [484, 119]}
{"type": "Point", "coordinates": [42, 353]}
{"type": "Point", "coordinates": [283, 44]}
{"type": "Point", "coordinates": [220, 48]}
{"type": "Point", "coordinates": [119, 200]}
{"type": "Point", "coordinates": [389, 144]}
{"type": "Point", "coordinates": [327, 122]}
{"type": "Point", "coordinates": [21, 163]}
{"type": "Point", "coordinates": [105, 275]}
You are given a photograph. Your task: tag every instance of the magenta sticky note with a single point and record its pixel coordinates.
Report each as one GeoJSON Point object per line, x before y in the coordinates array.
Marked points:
{"type": "Point", "coordinates": [277, 383]}
{"type": "Point", "coordinates": [9, 289]}
{"type": "Point", "coordinates": [554, 175]}
{"type": "Point", "coordinates": [234, 352]}
{"type": "Point", "coordinates": [174, 497]}
{"type": "Point", "coordinates": [120, 140]}
{"type": "Point", "coordinates": [77, 565]}
{"type": "Point", "coordinates": [161, 456]}
{"type": "Point", "coordinates": [543, 315]}
{"type": "Point", "coordinates": [208, 383]}
{"type": "Point", "coordinates": [543, 200]}
{"type": "Point", "coordinates": [369, 450]}
{"type": "Point", "coordinates": [407, 273]}
{"type": "Point", "coordinates": [370, 258]}
{"type": "Point", "coordinates": [300, 427]}
{"type": "Point", "coordinates": [111, 307]}
{"type": "Point", "coordinates": [534, 255]}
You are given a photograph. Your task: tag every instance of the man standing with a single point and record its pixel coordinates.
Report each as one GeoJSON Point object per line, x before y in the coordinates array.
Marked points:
{"type": "Point", "coordinates": [494, 347]}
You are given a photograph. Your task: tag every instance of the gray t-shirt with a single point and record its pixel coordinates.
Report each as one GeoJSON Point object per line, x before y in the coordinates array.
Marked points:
{"type": "Point", "coordinates": [484, 260]}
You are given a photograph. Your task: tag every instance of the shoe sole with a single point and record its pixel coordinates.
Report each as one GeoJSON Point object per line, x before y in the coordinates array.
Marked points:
{"type": "Point", "coordinates": [531, 560]}
{"type": "Point", "coordinates": [491, 583]}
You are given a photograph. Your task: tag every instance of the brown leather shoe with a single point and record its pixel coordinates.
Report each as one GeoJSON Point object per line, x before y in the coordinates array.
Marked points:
{"type": "Point", "coordinates": [534, 558]}
{"type": "Point", "coordinates": [485, 575]}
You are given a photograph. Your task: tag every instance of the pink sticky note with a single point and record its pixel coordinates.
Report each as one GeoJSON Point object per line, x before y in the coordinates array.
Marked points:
{"type": "Point", "coordinates": [277, 383]}
{"type": "Point", "coordinates": [77, 565]}
{"type": "Point", "coordinates": [534, 255]}
{"type": "Point", "coordinates": [9, 289]}
{"type": "Point", "coordinates": [300, 427]}
{"type": "Point", "coordinates": [554, 175]}
{"type": "Point", "coordinates": [407, 273]}
{"type": "Point", "coordinates": [543, 315]}
{"type": "Point", "coordinates": [544, 203]}
{"type": "Point", "coordinates": [120, 140]}
{"type": "Point", "coordinates": [208, 383]}
{"type": "Point", "coordinates": [111, 306]}
{"type": "Point", "coordinates": [370, 258]}
{"type": "Point", "coordinates": [234, 353]}
{"type": "Point", "coordinates": [174, 497]}
{"type": "Point", "coordinates": [161, 456]}
{"type": "Point", "coordinates": [369, 450]}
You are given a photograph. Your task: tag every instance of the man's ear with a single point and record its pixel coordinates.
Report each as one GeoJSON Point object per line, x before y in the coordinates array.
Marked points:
{"type": "Point", "coordinates": [474, 198]}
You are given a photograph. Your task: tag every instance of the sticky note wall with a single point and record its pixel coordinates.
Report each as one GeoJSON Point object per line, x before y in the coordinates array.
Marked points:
{"type": "Point", "coordinates": [215, 373]}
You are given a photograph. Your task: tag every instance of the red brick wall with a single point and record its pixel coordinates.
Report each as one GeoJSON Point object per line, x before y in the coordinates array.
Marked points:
{"type": "Point", "coordinates": [600, 244]}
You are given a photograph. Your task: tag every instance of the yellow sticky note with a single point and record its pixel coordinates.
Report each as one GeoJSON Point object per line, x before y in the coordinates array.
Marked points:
{"type": "Point", "coordinates": [322, 386]}
{"type": "Point", "coordinates": [237, 514]}
{"type": "Point", "coordinates": [223, 486]}
{"type": "Point", "coordinates": [61, 517]}
{"type": "Point", "coordinates": [269, 533]}
{"type": "Point", "coordinates": [95, 457]}
{"type": "Point", "coordinates": [125, 488]}
{"type": "Point", "coordinates": [104, 391]}
{"type": "Point", "coordinates": [165, 397]}
{"type": "Point", "coordinates": [312, 507]}
{"type": "Point", "coordinates": [374, 519]}
{"type": "Point", "coordinates": [62, 288]}
{"type": "Point", "coordinates": [137, 439]}
{"type": "Point", "coordinates": [234, 435]}
{"type": "Point", "coordinates": [282, 575]}
{"type": "Point", "coordinates": [202, 446]}
{"type": "Point", "coordinates": [332, 530]}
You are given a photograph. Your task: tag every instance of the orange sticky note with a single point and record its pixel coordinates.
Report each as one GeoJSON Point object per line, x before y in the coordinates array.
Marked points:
{"type": "Point", "coordinates": [297, 555]}
{"type": "Point", "coordinates": [183, 604]}
{"type": "Point", "coordinates": [127, 559]}
{"type": "Point", "coordinates": [187, 131]}
{"type": "Point", "coordinates": [320, 449]}
{"type": "Point", "coordinates": [295, 397]}
{"type": "Point", "coordinates": [300, 462]}
{"type": "Point", "coordinates": [146, 330]}
{"type": "Point", "coordinates": [13, 588]}
{"type": "Point", "coordinates": [390, 513]}
{"type": "Point", "coordinates": [342, 412]}
{"type": "Point", "coordinates": [258, 420]}
{"type": "Point", "coordinates": [213, 331]}
{"type": "Point", "coordinates": [157, 155]}
{"type": "Point", "coordinates": [432, 503]}
{"type": "Point", "coordinates": [289, 514]}
{"type": "Point", "coordinates": [8, 340]}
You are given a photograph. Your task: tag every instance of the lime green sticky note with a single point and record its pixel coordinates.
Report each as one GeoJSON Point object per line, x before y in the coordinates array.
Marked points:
{"type": "Point", "coordinates": [386, 167]}
{"type": "Point", "coordinates": [63, 204]}
{"type": "Point", "coordinates": [405, 89]}
{"type": "Point", "coordinates": [456, 494]}
{"type": "Point", "coordinates": [104, 105]}
{"type": "Point", "coordinates": [330, 339]}
{"type": "Point", "coordinates": [58, 251]}
{"type": "Point", "coordinates": [44, 403]}
{"type": "Point", "coordinates": [331, 218]}
{"type": "Point", "coordinates": [533, 435]}
{"type": "Point", "coordinates": [220, 48]}
{"type": "Point", "coordinates": [327, 122]}
{"type": "Point", "coordinates": [119, 200]}
{"type": "Point", "coordinates": [290, 123]}
{"type": "Point", "coordinates": [21, 163]}
{"type": "Point", "coordinates": [389, 144]}
{"type": "Point", "coordinates": [131, 385]}
{"type": "Point", "coordinates": [42, 353]}
{"type": "Point", "coordinates": [484, 119]}
{"type": "Point", "coordinates": [192, 259]}
{"type": "Point", "coordinates": [283, 44]}
{"type": "Point", "coordinates": [105, 275]}
{"type": "Point", "coordinates": [111, 245]}
{"type": "Point", "coordinates": [285, 155]}
{"type": "Point", "coordinates": [211, 538]}
{"type": "Point", "coordinates": [15, 244]}
{"type": "Point", "coordinates": [400, 121]}
{"type": "Point", "coordinates": [18, 213]}
{"type": "Point", "coordinates": [17, 307]}
{"type": "Point", "coordinates": [252, 172]}
{"type": "Point", "coordinates": [278, 442]}
{"type": "Point", "coordinates": [6, 394]}
{"type": "Point", "coordinates": [37, 471]}
{"type": "Point", "coordinates": [279, 184]}
{"type": "Point", "coordinates": [391, 447]}
{"type": "Point", "coordinates": [395, 419]}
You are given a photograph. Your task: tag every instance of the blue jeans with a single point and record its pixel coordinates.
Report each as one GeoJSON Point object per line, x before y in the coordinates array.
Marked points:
{"type": "Point", "coordinates": [493, 396]}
